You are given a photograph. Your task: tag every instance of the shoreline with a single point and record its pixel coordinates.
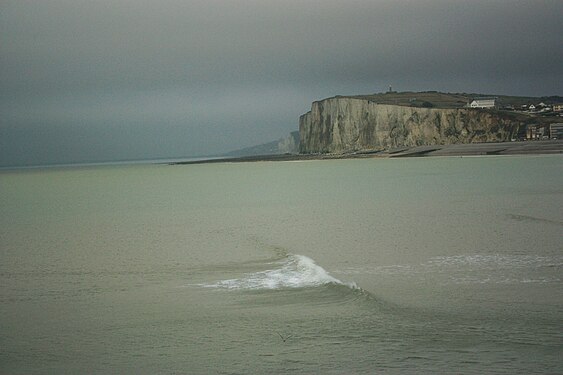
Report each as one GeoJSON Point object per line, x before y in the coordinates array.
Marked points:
{"type": "Point", "coordinates": [546, 147]}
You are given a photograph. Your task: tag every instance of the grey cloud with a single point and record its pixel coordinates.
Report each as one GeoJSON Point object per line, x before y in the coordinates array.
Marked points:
{"type": "Point", "coordinates": [248, 68]}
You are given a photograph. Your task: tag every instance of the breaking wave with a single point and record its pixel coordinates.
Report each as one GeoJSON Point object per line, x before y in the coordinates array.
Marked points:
{"type": "Point", "coordinates": [293, 271]}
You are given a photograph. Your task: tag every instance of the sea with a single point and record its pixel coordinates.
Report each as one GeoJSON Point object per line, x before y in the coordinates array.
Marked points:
{"type": "Point", "coordinates": [448, 265]}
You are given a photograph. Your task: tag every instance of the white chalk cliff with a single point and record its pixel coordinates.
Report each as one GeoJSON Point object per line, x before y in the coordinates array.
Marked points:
{"type": "Point", "coordinates": [347, 124]}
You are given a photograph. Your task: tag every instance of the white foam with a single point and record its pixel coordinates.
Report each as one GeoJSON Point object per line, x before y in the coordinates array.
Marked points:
{"type": "Point", "coordinates": [295, 271]}
{"type": "Point", "coordinates": [474, 269]}
{"type": "Point", "coordinates": [496, 261]}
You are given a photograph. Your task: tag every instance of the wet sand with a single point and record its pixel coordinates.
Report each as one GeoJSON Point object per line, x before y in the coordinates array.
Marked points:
{"type": "Point", "coordinates": [470, 149]}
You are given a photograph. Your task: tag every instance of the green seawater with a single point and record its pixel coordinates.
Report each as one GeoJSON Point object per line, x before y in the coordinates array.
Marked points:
{"type": "Point", "coordinates": [407, 266]}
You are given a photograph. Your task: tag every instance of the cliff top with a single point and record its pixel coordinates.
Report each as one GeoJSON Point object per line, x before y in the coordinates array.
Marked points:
{"type": "Point", "coordinates": [449, 100]}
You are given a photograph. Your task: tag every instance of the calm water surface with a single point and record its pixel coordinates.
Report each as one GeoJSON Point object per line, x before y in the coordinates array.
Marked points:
{"type": "Point", "coordinates": [448, 265]}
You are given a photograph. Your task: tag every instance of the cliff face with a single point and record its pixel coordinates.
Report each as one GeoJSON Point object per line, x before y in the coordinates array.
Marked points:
{"type": "Point", "coordinates": [340, 125]}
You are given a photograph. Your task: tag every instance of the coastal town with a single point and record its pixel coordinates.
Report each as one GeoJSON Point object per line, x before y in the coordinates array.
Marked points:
{"type": "Point", "coordinates": [540, 131]}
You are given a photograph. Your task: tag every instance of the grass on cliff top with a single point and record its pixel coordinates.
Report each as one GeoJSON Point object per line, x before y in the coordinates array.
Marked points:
{"type": "Point", "coordinates": [450, 100]}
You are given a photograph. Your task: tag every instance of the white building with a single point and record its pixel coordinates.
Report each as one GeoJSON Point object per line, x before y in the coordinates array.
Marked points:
{"type": "Point", "coordinates": [483, 103]}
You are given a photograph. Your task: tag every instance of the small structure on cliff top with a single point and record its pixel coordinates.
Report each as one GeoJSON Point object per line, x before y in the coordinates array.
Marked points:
{"type": "Point", "coordinates": [483, 103]}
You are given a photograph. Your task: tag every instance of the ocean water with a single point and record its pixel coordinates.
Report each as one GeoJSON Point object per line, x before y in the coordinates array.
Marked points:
{"type": "Point", "coordinates": [424, 265]}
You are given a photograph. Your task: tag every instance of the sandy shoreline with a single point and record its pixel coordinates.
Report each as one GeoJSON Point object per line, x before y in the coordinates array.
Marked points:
{"type": "Point", "coordinates": [470, 149]}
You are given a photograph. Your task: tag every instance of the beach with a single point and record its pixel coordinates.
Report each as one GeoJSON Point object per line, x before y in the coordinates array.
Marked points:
{"type": "Point", "coordinates": [471, 149]}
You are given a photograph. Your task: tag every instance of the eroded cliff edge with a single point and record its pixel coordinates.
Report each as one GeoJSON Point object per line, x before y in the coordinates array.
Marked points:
{"type": "Point", "coordinates": [347, 124]}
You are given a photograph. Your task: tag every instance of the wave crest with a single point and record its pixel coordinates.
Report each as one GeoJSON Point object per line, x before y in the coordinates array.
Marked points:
{"type": "Point", "coordinates": [294, 271]}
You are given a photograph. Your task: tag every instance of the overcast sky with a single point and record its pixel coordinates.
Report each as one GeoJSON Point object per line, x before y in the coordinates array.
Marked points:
{"type": "Point", "coordinates": [127, 79]}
